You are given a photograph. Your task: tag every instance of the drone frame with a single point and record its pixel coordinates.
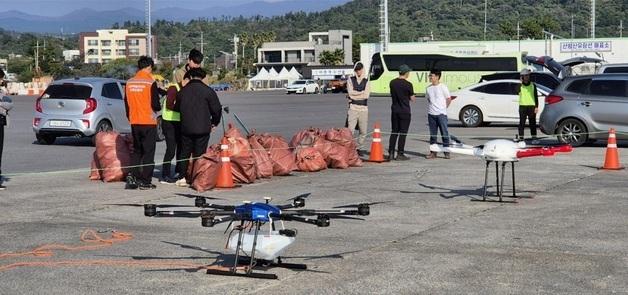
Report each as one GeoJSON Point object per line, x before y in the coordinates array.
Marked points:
{"type": "Point", "coordinates": [213, 214]}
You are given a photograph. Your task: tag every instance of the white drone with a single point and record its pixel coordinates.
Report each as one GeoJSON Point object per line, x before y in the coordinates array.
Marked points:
{"type": "Point", "coordinates": [500, 151]}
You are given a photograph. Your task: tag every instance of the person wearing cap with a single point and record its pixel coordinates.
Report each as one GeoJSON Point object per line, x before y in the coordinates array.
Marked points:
{"type": "Point", "coordinates": [358, 92]}
{"type": "Point", "coordinates": [528, 104]}
{"type": "Point", "coordinates": [195, 59]}
{"type": "Point", "coordinates": [438, 98]}
{"type": "Point", "coordinates": [402, 93]}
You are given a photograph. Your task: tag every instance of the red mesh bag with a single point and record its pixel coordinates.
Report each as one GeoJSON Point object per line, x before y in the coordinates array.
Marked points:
{"type": "Point", "coordinates": [344, 148]}
{"type": "Point", "coordinates": [243, 165]}
{"type": "Point", "coordinates": [204, 172]}
{"type": "Point", "coordinates": [94, 174]}
{"type": "Point", "coordinates": [310, 159]}
{"type": "Point", "coordinates": [263, 163]}
{"type": "Point", "coordinates": [113, 151]}
{"type": "Point", "coordinates": [279, 152]}
{"type": "Point", "coordinates": [305, 138]}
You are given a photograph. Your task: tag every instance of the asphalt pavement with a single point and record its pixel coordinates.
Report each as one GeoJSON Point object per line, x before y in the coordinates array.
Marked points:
{"type": "Point", "coordinates": [567, 234]}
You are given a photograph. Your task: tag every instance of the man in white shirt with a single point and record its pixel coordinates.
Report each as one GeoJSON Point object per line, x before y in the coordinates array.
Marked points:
{"type": "Point", "coordinates": [438, 99]}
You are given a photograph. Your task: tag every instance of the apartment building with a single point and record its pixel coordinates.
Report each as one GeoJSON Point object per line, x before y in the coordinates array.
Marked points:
{"type": "Point", "coordinates": [104, 46]}
{"type": "Point", "coordinates": [299, 54]}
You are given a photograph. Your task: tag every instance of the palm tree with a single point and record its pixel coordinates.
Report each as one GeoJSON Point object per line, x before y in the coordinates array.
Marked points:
{"type": "Point", "coordinates": [329, 58]}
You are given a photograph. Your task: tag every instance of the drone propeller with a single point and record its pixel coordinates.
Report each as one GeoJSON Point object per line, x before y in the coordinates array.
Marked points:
{"type": "Point", "coordinates": [359, 205]}
{"type": "Point", "coordinates": [156, 206]}
{"type": "Point", "coordinates": [191, 196]}
{"type": "Point", "coordinates": [302, 196]}
{"type": "Point", "coordinates": [332, 216]}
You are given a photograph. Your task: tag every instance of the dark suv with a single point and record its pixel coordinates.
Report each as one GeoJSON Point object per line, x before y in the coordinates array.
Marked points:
{"type": "Point", "coordinates": [584, 108]}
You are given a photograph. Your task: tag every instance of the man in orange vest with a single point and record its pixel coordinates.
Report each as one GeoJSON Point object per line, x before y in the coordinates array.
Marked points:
{"type": "Point", "coordinates": [142, 101]}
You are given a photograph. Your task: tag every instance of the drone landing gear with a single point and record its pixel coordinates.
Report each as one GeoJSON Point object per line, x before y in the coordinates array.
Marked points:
{"type": "Point", "coordinates": [251, 261]}
{"type": "Point", "coordinates": [499, 180]}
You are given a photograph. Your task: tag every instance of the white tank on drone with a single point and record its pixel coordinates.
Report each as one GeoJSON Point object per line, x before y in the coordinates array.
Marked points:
{"type": "Point", "coordinates": [269, 246]}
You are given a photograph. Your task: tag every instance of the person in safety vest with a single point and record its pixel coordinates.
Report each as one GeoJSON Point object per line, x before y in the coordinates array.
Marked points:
{"type": "Point", "coordinates": [171, 127]}
{"type": "Point", "coordinates": [195, 58]}
{"type": "Point", "coordinates": [358, 91]}
{"type": "Point", "coordinates": [528, 104]}
{"type": "Point", "coordinates": [142, 102]}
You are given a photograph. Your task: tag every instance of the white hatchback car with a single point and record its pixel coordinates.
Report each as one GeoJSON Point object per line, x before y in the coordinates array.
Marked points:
{"type": "Point", "coordinates": [490, 101]}
{"type": "Point", "coordinates": [303, 87]}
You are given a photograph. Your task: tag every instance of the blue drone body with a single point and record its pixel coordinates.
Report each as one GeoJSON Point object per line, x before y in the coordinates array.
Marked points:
{"type": "Point", "coordinates": [256, 212]}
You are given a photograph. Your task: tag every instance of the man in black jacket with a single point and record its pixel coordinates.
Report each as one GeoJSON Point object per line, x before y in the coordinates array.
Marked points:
{"type": "Point", "coordinates": [200, 112]}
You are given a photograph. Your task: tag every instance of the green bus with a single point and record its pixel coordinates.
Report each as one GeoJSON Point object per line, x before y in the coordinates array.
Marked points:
{"type": "Point", "coordinates": [458, 71]}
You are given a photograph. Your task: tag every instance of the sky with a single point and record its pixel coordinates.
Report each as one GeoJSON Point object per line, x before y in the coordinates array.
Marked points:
{"type": "Point", "coordinates": [61, 7]}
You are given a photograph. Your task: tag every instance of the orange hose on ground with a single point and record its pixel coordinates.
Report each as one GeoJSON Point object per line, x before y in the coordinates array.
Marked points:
{"type": "Point", "coordinates": [88, 236]}
{"type": "Point", "coordinates": [95, 241]}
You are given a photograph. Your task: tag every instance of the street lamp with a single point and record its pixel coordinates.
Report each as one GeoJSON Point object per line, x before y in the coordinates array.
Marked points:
{"type": "Point", "coordinates": [485, 17]}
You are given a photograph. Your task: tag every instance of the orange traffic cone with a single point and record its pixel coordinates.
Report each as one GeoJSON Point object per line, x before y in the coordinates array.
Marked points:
{"type": "Point", "coordinates": [225, 178]}
{"type": "Point", "coordinates": [377, 152]}
{"type": "Point", "coordinates": [612, 156]}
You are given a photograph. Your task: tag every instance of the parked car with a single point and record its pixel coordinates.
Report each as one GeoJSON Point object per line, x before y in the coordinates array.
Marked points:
{"type": "Point", "coordinates": [584, 108]}
{"type": "Point", "coordinates": [303, 87]}
{"type": "Point", "coordinates": [546, 79]}
{"type": "Point", "coordinates": [613, 68]}
{"type": "Point", "coordinates": [337, 86]}
{"type": "Point", "coordinates": [220, 87]}
{"type": "Point", "coordinates": [489, 101]}
{"type": "Point", "coordinates": [560, 69]}
{"type": "Point", "coordinates": [80, 107]}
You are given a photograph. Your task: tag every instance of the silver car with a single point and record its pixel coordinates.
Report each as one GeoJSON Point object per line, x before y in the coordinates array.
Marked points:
{"type": "Point", "coordinates": [584, 108]}
{"type": "Point", "coordinates": [80, 107]}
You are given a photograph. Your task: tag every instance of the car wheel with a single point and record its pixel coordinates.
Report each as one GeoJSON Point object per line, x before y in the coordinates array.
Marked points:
{"type": "Point", "coordinates": [160, 131]}
{"type": "Point", "coordinates": [316, 90]}
{"type": "Point", "coordinates": [45, 139]}
{"type": "Point", "coordinates": [572, 131]}
{"type": "Point", "coordinates": [471, 116]}
{"type": "Point", "coordinates": [304, 90]}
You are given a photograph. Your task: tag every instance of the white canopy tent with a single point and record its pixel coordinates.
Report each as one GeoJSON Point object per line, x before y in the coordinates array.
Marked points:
{"type": "Point", "coordinates": [286, 77]}
{"type": "Point", "coordinates": [260, 81]}
{"type": "Point", "coordinates": [295, 74]}
{"type": "Point", "coordinates": [273, 79]}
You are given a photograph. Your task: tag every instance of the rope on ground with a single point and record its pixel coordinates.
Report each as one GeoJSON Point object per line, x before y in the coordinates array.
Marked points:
{"type": "Point", "coordinates": [93, 241]}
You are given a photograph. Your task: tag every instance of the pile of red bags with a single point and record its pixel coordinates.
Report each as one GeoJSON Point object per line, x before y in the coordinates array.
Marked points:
{"type": "Point", "coordinates": [113, 152]}
{"type": "Point", "coordinates": [258, 156]}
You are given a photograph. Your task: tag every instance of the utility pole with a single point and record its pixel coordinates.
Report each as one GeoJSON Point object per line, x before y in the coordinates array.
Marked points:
{"type": "Point", "coordinates": [621, 28]}
{"type": "Point", "coordinates": [592, 19]}
{"type": "Point", "coordinates": [519, 36]}
{"type": "Point", "coordinates": [179, 55]}
{"type": "Point", "coordinates": [235, 50]}
{"type": "Point", "coordinates": [485, 17]}
{"type": "Point", "coordinates": [202, 47]}
{"type": "Point", "coordinates": [37, 59]}
{"type": "Point", "coordinates": [149, 34]}
{"type": "Point", "coordinates": [573, 28]}
{"type": "Point", "coordinates": [384, 31]}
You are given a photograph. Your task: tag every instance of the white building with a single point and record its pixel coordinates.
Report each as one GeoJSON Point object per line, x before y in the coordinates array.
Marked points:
{"type": "Point", "coordinates": [70, 55]}
{"type": "Point", "coordinates": [104, 46]}
{"type": "Point", "coordinates": [612, 50]}
{"type": "Point", "coordinates": [303, 53]}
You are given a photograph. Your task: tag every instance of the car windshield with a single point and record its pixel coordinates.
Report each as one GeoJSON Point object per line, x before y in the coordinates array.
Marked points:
{"type": "Point", "coordinates": [298, 82]}
{"type": "Point", "coordinates": [68, 91]}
